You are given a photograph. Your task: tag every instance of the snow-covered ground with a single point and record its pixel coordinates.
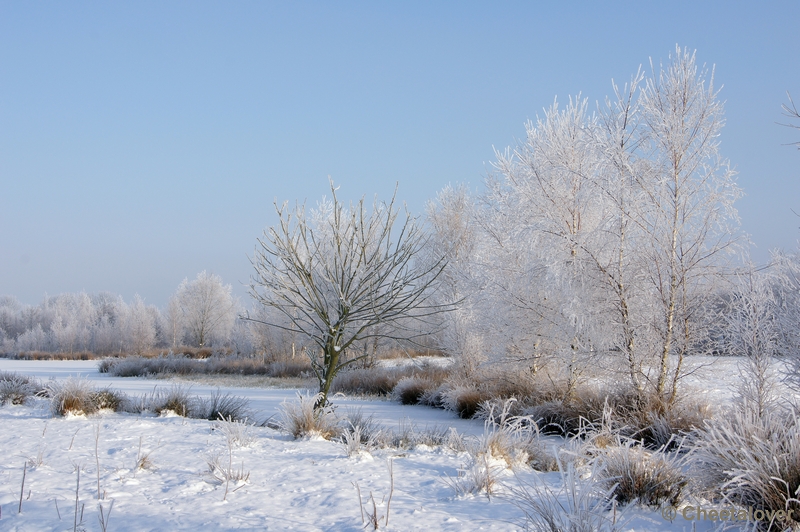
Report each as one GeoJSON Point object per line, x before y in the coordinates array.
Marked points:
{"type": "Point", "coordinates": [293, 485]}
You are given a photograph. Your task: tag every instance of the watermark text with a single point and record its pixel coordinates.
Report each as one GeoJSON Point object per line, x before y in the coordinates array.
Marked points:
{"type": "Point", "coordinates": [725, 513]}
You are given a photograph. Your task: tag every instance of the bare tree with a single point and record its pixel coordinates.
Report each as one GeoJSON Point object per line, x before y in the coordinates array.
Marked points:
{"type": "Point", "coordinates": [207, 307]}
{"type": "Point", "coordinates": [791, 111]}
{"type": "Point", "coordinates": [340, 275]}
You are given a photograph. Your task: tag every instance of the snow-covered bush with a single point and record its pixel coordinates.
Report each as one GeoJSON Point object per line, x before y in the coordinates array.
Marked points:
{"type": "Point", "coordinates": [650, 478]}
{"type": "Point", "coordinates": [16, 388]}
{"type": "Point", "coordinates": [751, 461]}
{"type": "Point", "coordinates": [464, 399]}
{"type": "Point", "coordinates": [580, 505]}
{"type": "Point", "coordinates": [220, 406]}
{"type": "Point", "coordinates": [238, 433]}
{"type": "Point", "coordinates": [410, 390]}
{"type": "Point", "coordinates": [176, 400]}
{"type": "Point", "coordinates": [302, 420]}
{"type": "Point", "coordinates": [71, 396]}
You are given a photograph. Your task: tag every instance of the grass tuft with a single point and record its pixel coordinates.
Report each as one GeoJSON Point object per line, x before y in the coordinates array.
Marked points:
{"type": "Point", "coordinates": [16, 389]}
{"type": "Point", "coordinates": [302, 420]}
{"type": "Point", "coordinates": [74, 396]}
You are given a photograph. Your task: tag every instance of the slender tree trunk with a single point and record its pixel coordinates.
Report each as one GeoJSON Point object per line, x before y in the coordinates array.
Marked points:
{"type": "Point", "coordinates": [673, 288]}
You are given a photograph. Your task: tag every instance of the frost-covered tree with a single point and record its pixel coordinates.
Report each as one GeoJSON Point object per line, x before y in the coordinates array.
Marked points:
{"type": "Point", "coordinates": [340, 275]}
{"type": "Point", "coordinates": [208, 309]}
{"type": "Point", "coordinates": [172, 324]}
{"type": "Point", "coordinates": [454, 234]}
{"type": "Point", "coordinates": [138, 327]}
{"type": "Point", "coordinates": [548, 188]}
{"type": "Point", "coordinates": [688, 219]}
{"type": "Point", "coordinates": [752, 331]}
{"type": "Point", "coordinates": [73, 319]}
{"type": "Point", "coordinates": [603, 236]}
{"type": "Point", "coordinates": [786, 275]}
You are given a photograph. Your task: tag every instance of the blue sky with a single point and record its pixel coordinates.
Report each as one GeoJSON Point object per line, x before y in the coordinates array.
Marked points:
{"type": "Point", "coordinates": [143, 142]}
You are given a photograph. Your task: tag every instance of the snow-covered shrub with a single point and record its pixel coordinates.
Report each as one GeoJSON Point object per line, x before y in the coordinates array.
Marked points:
{"type": "Point", "coordinates": [301, 419]}
{"type": "Point", "coordinates": [409, 390]}
{"type": "Point", "coordinates": [110, 399]}
{"type": "Point", "coordinates": [651, 478]}
{"type": "Point", "coordinates": [221, 470]}
{"type": "Point", "coordinates": [106, 364]}
{"type": "Point", "coordinates": [220, 406]}
{"type": "Point", "coordinates": [580, 505]}
{"type": "Point", "coordinates": [357, 440]}
{"type": "Point", "coordinates": [464, 399]}
{"type": "Point", "coordinates": [16, 388]}
{"type": "Point", "coordinates": [657, 424]}
{"type": "Point", "coordinates": [369, 432]}
{"type": "Point", "coordinates": [71, 396]}
{"type": "Point", "coordinates": [368, 381]}
{"type": "Point", "coordinates": [176, 399]}
{"type": "Point", "coordinates": [480, 475]}
{"type": "Point", "coordinates": [750, 460]}
{"type": "Point", "coordinates": [237, 433]}
{"type": "Point", "coordinates": [434, 397]}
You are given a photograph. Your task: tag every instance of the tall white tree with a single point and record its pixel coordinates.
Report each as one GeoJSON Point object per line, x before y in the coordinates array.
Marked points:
{"type": "Point", "coordinates": [689, 221]}
{"type": "Point", "coordinates": [208, 309]}
{"type": "Point", "coordinates": [138, 327]}
{"type": "Point", "coordinates": [455, 235]}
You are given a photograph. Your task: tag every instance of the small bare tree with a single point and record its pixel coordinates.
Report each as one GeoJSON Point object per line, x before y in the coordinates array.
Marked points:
{"type": "Point", "coordinates": [752, 332]}
{"type": "Point", "coordinates": [341, 275]}
{"type": "Point", "coordinates": [791, 111]}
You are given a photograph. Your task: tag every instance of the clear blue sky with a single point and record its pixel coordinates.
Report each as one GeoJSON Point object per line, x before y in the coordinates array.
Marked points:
{"type": "Point", "coordinates": [142, 142]}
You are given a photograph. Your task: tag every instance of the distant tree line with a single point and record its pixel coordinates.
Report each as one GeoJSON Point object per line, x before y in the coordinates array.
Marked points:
{"type": "Point", "coordinates": [202, 313]}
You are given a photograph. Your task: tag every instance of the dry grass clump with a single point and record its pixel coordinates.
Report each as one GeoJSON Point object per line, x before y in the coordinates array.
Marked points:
{"type": "Point", "coordinates": [221, 406]}
{"type": "Point", "coordinates": [752, 461]}
{"type": "Point", "coordinates": [378, 380]}
{"type": "Point", "coordinates": [658, 424]}
{"type": "Point", "coordinates": [74, 396]}
{"type": "Point", "coordinates": [464, 399]}
{"type": "Point", "coordinates": [302, 420]}
{"type": "Point", "coordinates": [411, 390]}
{"type": "Point", "coordinates": [108, 399]}
{"type": "Point", "coordinates": [580, 505]}
{"type": "Point", "coordinates": [635, 474]}
{"type": "Point", "coordinates": [142, 367]}
{"type": "Point", "coordinates": [17, 389]}
{"type": "Point", "coordinates": [175, 399]}
{"type": "Point", "coordinates": [398, 353]}
{"type": "Point", "coordinates": [369, 381]}
{"type": "Point", "coordinates": [567, 414]}
{"type": "Point", "coordinates": [641, 417]}
{"type": "Point", "coordinates": [512, 437]}
{"type": "Point", "coordinates": [285, 369]}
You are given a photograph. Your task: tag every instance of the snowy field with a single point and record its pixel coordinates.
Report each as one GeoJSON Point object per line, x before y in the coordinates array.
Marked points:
{"type": "Point", "coordinates": [293, 485]}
